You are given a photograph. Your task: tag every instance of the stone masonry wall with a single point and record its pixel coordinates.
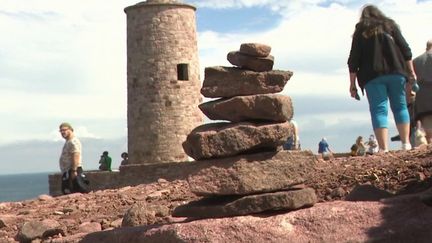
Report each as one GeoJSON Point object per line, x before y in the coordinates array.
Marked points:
{"type": "Point", "coordinates": [129, 175]}
{"type": "Point", "coordinates": [162, 107]}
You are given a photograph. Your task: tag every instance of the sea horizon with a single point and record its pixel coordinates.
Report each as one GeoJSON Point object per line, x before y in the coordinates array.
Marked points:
{"type": "Point", "coordinates": [23, 186]}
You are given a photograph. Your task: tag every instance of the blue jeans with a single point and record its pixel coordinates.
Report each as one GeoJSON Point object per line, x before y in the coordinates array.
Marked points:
{"type": "Point", "coordinates": [379, 90]}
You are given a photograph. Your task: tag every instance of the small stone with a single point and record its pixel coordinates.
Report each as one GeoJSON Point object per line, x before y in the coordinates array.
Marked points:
{"type": "Point", "coordinates": [255, 49]}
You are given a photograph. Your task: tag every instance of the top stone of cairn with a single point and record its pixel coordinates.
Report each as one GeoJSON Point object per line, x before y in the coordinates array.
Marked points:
{"type": "Point", "coordinates": [255, 49]}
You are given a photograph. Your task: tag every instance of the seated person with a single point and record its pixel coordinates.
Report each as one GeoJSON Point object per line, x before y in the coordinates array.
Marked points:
{"type": "Point", "coordinates": [105, 162]}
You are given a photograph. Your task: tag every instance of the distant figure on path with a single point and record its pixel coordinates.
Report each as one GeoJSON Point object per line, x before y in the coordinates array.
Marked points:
{"type": "Point", "coordinates": [372, 145]}
{"type": "Point", "coordinates": [423, 103]}
{"type": "Point", "coordinates": [380, 60]}
{"type": "Point", "coordinates": [105, 162]}
{"type": "Point", "coordinates": [73, 179]}
{"type": "Point", "coordinates": [125, 158]}
{"type": "Point", "coordinates": [293, 141]}
{"type": "Point", "coordinates": [324, 151]}
{"type": "Point", "coordinates": [359, 148]}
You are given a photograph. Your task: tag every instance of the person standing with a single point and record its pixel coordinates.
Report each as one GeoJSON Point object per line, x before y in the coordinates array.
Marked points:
{"type": "Point", "coordinates": [324, 150]}
{"type": "Point", "coordinates": [293, 141]}
{"type": "Point", "coordinates": [423, 102]}
{"type": "Point", "coordinates": [73, 179]}
{"type": "Point", "coordinates": [380, 61]}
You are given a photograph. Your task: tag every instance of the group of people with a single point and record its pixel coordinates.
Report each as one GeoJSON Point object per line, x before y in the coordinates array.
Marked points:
{"type": "Point", "coordinates": [380, 60]}
{"type": "Point", "coordinates": [380, 63]}
{"type": "Point", "coordinates": [361, 148]}
{"type": "Point", "coordinates": [73, 177]}
{"type": "Point", "coordinates": [105, 161]}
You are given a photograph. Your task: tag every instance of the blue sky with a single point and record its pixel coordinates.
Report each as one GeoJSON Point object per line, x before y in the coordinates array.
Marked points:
{"type": "Point", "coordinates": [64, 61]}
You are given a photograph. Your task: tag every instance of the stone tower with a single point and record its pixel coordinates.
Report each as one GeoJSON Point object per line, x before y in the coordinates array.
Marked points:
{"type": "Point", "coordinates": [163, 85]}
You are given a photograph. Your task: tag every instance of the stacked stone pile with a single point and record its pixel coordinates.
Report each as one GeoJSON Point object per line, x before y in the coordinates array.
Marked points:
{"type": "Point", "coordinates": [243, 170]}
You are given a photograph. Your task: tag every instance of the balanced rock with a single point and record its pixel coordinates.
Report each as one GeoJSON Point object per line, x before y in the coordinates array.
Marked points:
{"type": "Point", "coordinates": [255, 49]}
{"type": "Point", "coordinates": [217, 207]}
{"type": "Point", "coordinates": [257, 64]}
{"type": "Point", "coordinates": [252, 173]}
{"type": "Point", "coordinates": [264, 107]}
{"type": "Point", "coordinates": [232, 81]}
{"type": "Point", "coordinates": [217, 140]}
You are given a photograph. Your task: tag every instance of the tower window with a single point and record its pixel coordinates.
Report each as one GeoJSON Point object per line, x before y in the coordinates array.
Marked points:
{"type": "Point", "coordinates": [182, 71]}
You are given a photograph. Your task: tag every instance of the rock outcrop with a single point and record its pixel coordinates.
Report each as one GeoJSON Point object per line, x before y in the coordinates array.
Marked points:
{"type": "Point", "coordinates": [399, 176]}
{"type": "Point", "coordinates": [402, 219]}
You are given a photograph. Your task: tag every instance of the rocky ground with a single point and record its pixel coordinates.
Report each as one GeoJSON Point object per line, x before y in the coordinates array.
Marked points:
{"type": "Point", "coordinates": [337, 179]}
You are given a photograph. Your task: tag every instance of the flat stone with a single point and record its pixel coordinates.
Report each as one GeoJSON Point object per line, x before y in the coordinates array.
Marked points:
{"type": "Point", "coordinates": [257, 64]}
{"type": "Point", "coordinates": [228, 206]}
{"type": "Point", "coordinates": [217, 140]}
{"type": "Point", "coordinates": [255, 49]}
{"type": "Point", "coordinates": [264, 107]}
{"type": "Point", "coordinates": [232, 81]}
{"type": "Point", "coordinates": [252, 174]}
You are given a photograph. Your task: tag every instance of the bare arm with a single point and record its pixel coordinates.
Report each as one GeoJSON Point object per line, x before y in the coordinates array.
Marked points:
{"type": "Point", "coordinates": [75, 162]}
{"type": "Point", "coordinates": [412, 74]}
{"type": "Point", "coordinates": [353, 88]}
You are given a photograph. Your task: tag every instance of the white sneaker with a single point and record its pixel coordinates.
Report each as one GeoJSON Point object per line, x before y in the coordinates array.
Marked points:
{"type": "Point", "coordinates": [406, 146]}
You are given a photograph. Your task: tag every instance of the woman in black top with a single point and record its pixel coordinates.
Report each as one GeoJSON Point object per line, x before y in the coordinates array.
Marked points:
{"type": "Point", "coordinates": [380, 60]}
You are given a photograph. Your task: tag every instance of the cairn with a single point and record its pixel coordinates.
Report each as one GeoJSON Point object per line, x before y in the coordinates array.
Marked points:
{"type": "Point", "coordinates": [244, 170]}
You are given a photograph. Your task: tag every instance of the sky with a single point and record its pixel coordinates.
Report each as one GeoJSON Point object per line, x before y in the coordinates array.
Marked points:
{"type": "Point", "coordinates": [66, 61]}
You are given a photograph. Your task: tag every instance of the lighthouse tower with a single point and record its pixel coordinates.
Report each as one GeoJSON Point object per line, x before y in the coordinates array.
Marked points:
{"type": "Point", "coordinates": [163, 85]}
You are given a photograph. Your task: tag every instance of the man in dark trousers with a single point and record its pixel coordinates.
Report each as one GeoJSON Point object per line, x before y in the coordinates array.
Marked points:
{"type": "Point", "coordinates": [73, 179]}
{"type": "Point", "coordinates": [423, 103]}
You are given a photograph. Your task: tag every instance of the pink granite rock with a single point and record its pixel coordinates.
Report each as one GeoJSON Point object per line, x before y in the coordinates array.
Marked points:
{"type": "Point", "coordinates": [252, 174]}
{"type": "Point", "coordinates": [265, 107]}
{"type": "Point", "coordinates": [228, 206]}
{"type": "Point", "coordinates": [88, 227]}
{"type": "Point", "coordinates": [255, 49]}
{"type": "Point", "coordinates": [401, 219]}
{"type": "Point", "coordinates": [139, 214]}
{"type": "Point", "coordinates": [216, 140]}
{"type": "Point", "coordinates": [40, 229]}
{"type": "Point", "coordinates": [230, 81]}
{"type": "Point", "coordinates": [257, 64]}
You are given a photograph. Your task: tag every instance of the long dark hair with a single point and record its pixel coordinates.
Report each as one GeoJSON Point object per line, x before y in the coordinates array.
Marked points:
{"type": "Point", "coordinates": [373, 21]}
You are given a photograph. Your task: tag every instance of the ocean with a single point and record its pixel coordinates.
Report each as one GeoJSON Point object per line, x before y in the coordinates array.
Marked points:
{"type": "Point", "coordinates": [21, 187]}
